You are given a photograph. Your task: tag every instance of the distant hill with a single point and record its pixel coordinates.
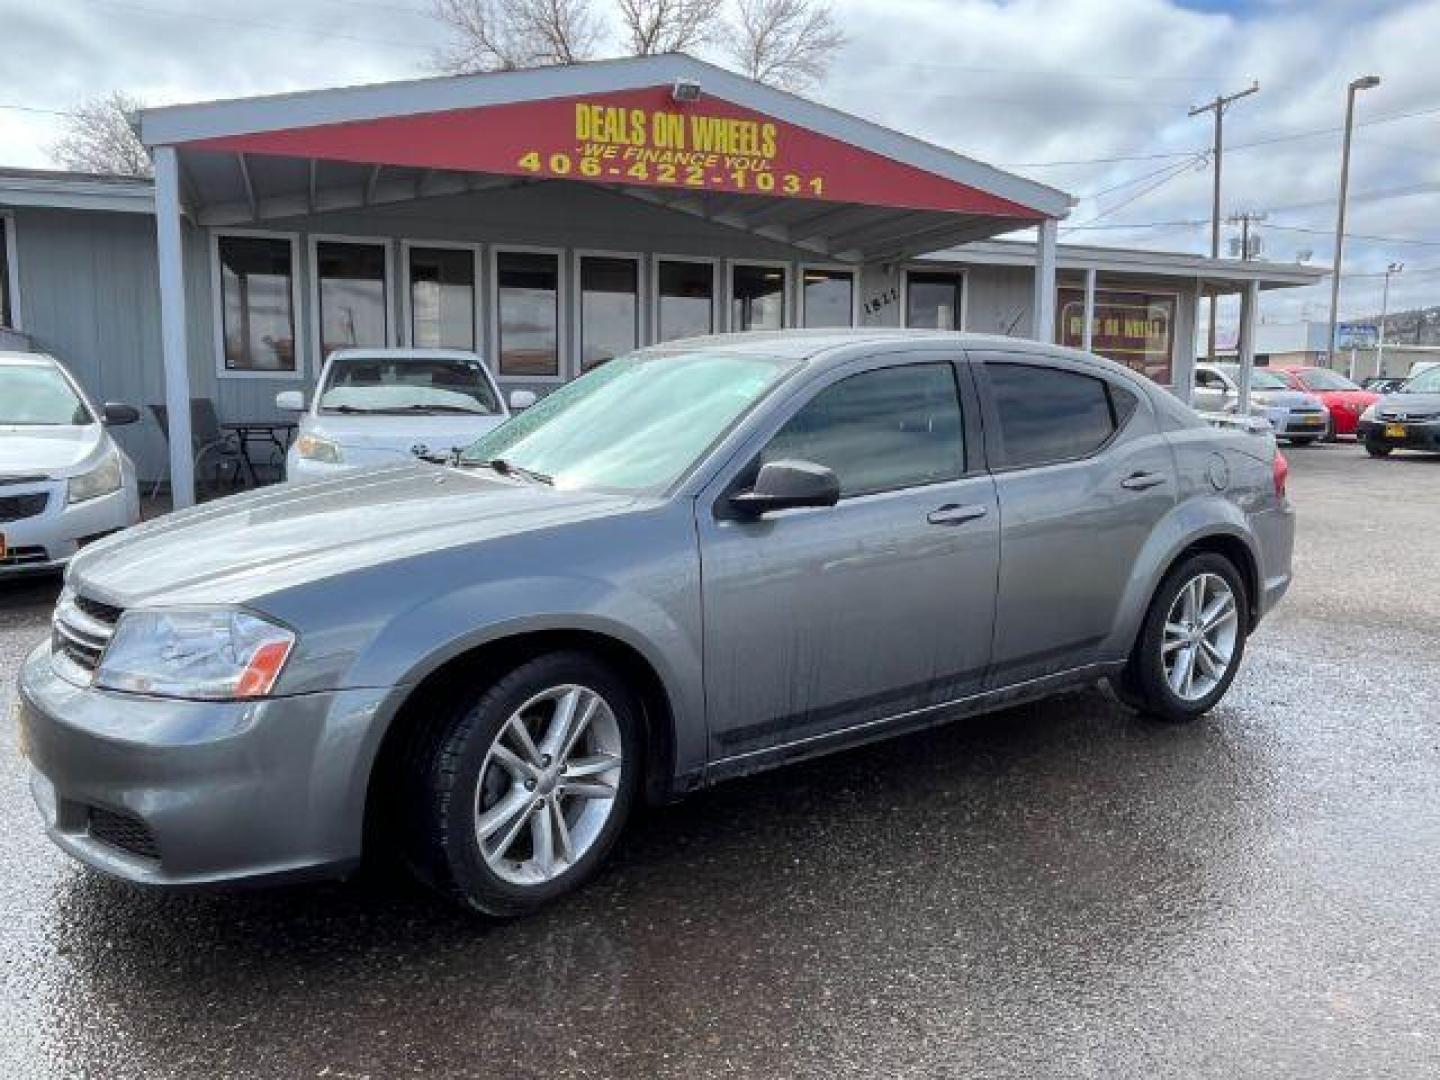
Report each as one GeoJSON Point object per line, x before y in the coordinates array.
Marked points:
{"type": "Point", "coordinates": [1419, 327]}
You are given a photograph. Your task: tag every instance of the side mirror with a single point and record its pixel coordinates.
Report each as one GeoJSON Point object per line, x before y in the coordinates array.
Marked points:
{"type": "Point", "coordinates": [118, 414]}
{"type": "Point", "coordinates": [520, 400]}
{"type": "Point", "coordinates": [783, 485]}
{"type": "Point", "coordinates": [290, 401]}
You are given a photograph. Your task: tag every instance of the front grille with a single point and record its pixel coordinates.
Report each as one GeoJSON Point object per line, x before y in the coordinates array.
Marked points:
{"type": "Point", "coordinates": [124, 831]}
{"type": "Point", "coordinates": [1409, 417]}
{"type": "Point", "coordinates": [29, 555]}
{"type": "Point", "coordinates": [19, 507]}
{"type": "Point", "coordinates": [81, 629]}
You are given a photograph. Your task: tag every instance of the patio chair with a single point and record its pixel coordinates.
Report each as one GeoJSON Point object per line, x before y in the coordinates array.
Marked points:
{"type": "Point", "coordinates": [209, 442]}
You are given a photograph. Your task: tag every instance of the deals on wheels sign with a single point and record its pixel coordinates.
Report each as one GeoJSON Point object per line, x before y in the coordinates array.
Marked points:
{"type": "Point", "coordinates": [1132, 328]}
{"type": "Point", "coordinates": [637, 137]}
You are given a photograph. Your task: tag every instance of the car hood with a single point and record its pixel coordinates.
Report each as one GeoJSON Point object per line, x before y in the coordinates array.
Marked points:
{"type": "Point", "coordinates": [1288, 399]}
{"type": "Point", "coordinates": [401, 434]}
{"type": "Point", "coordinates": [1353, 399]}
{"type": "Point", "coordinates": [47, 451]}
{"type": "Point", "coordinates": [237, 549]}
{"type": "Point", "coordinates": [1410, 404]}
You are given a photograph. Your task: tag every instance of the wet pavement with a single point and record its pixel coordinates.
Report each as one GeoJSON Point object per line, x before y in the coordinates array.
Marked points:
{"type": "Point", "coordinates": [1059, 890]}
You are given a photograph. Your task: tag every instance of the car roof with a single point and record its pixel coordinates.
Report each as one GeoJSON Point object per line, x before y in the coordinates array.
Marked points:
{"type": "Point", "coordinates": [821, 345]}
{"type": "Point", "coordinates": [381, 352]}
{"type": "Point", "coordinates": [12, 358]}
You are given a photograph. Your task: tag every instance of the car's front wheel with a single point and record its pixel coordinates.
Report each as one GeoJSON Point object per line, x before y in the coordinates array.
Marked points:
{"type": "Point", "coordinates": [519, 798]}
{"type": "Point", "coordinates": [1378, 449]}
{"type": "Point", "coordinates": [1191, 642]}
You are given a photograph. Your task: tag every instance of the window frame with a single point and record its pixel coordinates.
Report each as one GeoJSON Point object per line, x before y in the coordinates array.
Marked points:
{"type": "Point", "coordinates": [477, 320]}
{"type": "Point", "coordinates": [297, 310]}
{"type": "Point", "coordinates": [564, 370]}
{"type": "Point", "coordinates": [787, 313]}
{"type": "Point", "coordinates": [12, 272]}
{"type": "Point", "coordinates": [994, 435]}
{"type": "Point", "coordinates": [577, 301]}
{"type": "Point", "coordinates": [961, 272]}
{"type": "Point", "coordinates": [829, 268]}
{"type": "Point", "coordinates": [388, 243]}
{"type": "Point", "coordinates": [718, 310]}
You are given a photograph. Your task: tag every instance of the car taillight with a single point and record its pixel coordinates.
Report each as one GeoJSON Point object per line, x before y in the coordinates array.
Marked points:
{"type": "Point", "coordinates": [1282, 474]}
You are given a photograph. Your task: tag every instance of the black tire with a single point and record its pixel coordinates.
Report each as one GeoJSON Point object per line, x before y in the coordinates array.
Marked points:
{"type": "Point", "coordinates": [1304, 441]}
{"type": "Point", "coordinates": [1378, 449]}
{"type": "Point", "coordinates": [440, 790]}
{"type": "Point", "coordinates": [1330, 433]}
{"type": "Point", "coordinates": [1143, 683]}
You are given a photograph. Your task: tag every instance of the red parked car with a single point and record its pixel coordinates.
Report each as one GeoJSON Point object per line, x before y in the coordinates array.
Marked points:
{"type": "Point", "coordinates": [1343, 398]}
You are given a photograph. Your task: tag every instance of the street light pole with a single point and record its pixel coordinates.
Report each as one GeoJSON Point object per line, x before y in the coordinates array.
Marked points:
{"type": "Point", "coordinates": [1393, 268]}
{"type": "Point", "coordinates": [1218, 107]}
{"type": "Point", "coordinates": [1368, 82]}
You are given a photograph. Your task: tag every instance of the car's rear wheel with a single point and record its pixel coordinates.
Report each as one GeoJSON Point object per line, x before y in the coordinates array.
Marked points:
{"type": "Point", "coordinates": [519, 798]}
{"type": "Point", "coordinates": [1191, 641]}
{"type": "Point", "coordinates": [1303, 441]}
{"type": "Point", "coordinates": [1378, 449]}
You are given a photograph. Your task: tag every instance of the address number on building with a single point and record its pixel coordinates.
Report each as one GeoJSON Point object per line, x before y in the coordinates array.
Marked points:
{"type": "Point", "coordinates": [712, 174]}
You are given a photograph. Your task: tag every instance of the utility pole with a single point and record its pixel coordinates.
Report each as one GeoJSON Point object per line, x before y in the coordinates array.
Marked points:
{"type": "Point", "coordinates": [1218, 107]}
{"type": "Point", "coordinates": [1393, 268]}
{"type": "Point", "coordinates": [1368, 82]}
{"type": "Point", "coordinates": [1243, 220]}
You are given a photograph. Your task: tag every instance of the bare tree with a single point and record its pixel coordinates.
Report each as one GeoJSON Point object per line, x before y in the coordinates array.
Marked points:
{"type": "Point", "coordinates": [503, 35]}
{"type": "Point", "coordinates": [99, 139]}
{"type": "Point", "coordinates": [787, 43]}
{"type": "Point", "coordinates": [661, 26]}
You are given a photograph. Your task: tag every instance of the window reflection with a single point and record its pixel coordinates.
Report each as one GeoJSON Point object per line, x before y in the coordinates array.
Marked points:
{"type": "Point", "coordinates": [933, 301]}
{"type": "Point", "coordinates": [529, 312]}
{"type": "Point", "coordinates": [609, 308]}
{"type": "Point", "coordinates": [757, 298]}
{"type": "Point", "coordinates": [257, 303]}
{"type": "Point", "coordinates": [442, 298]}
{"type": "Point", "coordinates": [352, 294]}
{"type": "Point", "coordinates": [686, 298]}
{"type": "Point", "coordinates": [829, 298]}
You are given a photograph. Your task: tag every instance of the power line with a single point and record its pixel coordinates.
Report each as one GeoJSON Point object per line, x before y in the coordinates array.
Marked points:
{"type": "Point", "coordinates": [1358, 236]}
{"type": "Point", "coordinates": [1137, 179]}
{"type": "Point", "coordinates": [1172, 173]}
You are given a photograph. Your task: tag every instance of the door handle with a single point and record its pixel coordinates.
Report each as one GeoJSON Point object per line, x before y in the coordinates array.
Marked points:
{"type": "Point", "coordinates": [955, 514]}
{"type": "Point", "coordinates": [1139, 481]}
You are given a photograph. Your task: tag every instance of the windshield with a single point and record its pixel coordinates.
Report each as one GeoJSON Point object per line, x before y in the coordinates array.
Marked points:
{"type": "Point", "coordinates": [1321, 379]}
{"type": "Point", "coordinates": [413, 385]}
{"type": "Point", "coordinates": [1260, 379]}
{"type": "Point", "coordinates": [1427, 382]}
{"type": "Point", "coordinates": [637, 424]}
{"type": "Point", "coordinates": [39, 397]}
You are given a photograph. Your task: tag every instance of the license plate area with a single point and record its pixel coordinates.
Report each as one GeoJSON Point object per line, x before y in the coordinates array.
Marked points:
{"type": "Point", "coordinates": [1395, 431]}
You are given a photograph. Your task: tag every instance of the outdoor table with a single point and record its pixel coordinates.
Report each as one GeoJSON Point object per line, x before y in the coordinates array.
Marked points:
{"type": "Point", "coordinates": [275, 433]}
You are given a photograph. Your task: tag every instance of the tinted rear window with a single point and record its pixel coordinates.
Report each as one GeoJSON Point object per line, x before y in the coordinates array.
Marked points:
{"type": "Point", "coordinates": [1049, 415]}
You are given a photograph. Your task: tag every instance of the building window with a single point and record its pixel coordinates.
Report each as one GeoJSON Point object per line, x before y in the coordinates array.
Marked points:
{"type": "Point", "coordinates": [609, 308]}
{"type": "Point", "coordinates": [1136, 329]}
{"type": "Point", "coordinates": [442, 298]}
{"type": "Point", "coordinates": [933, 300]}
{"type": "Point", "coordinates": [528, 307]}
{"type": "Point", "coordinates": [7, 315]}
{"type": "Point", "coordinates": [757, 297]}
{"type": "Point", "coordinates": [829, 298]}
{"type": "Point", "coordinates": [354, 301]}
{"type": "Point", "coordinates": [685, 299]}
{"type": "Point", "coordinates": [257, 302]}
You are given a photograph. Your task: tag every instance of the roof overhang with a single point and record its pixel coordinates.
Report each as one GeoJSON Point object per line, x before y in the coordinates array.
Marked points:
{"type": "Point", "coordinates": [76, 191]}
{"type": "Point", "coordinates": [742, 154]}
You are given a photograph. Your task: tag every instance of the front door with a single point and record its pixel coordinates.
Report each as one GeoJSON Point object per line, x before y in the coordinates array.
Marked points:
{"type": "Point", "coordinates": [817, 620]}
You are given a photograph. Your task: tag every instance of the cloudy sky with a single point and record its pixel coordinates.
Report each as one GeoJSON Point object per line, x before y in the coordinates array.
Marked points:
{"type": "Point", "coordinates": [1088, 95]}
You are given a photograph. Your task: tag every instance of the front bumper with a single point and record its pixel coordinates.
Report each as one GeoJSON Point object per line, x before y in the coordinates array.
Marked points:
{"type": "Point", "coordinates": [48, 540]}
{"type": "Point", "coordinates": [1424, 436]}
{"type": "Point", "coordinates": [1290, 423]}
{"type": "Point", "coordinates": [204, 792]}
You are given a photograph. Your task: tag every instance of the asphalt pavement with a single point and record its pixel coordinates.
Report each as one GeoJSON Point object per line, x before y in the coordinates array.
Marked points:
{"type": "Point", "coordinates": [1060, 890]}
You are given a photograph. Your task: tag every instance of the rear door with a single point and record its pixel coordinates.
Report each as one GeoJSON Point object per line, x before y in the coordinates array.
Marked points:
{"type": "Point", "coordinates": [1083, 476]}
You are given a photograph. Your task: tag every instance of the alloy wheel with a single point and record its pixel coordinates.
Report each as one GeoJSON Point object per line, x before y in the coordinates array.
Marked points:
{"type": "Point", "coordinates": [1198, 644]}
{"type": "Point", "coordinates": [548, 785]}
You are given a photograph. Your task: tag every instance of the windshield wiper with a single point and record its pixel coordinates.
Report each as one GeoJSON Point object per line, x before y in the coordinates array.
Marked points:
{"type": "Point", "coordinates": [509, 468]}
{"type": "Point", "coordinates": [417, 408]}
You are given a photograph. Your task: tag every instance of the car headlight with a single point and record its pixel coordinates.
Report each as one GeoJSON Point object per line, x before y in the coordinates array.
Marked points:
{"type": "Point", "coordinates": [101, 480]}
{"type": "Point", "coordinates": [210, 653]}
{"type": "Point", "coordinates": [315, 448]}
{"type": "Point", "coordinates": [1371, 411]}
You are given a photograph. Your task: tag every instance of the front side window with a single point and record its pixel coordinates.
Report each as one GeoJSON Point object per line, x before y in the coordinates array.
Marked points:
{"type": "Point", "coordinates": [442, 298]}
{"type": "Point", "coordinates": [1049, 415]}
{"type": "Point", "coordinates": [353, 297]}
{"type": "Point", "coordinates": [895, 427]}
{"type": "Point", "coordinates": [932, 300]}
{"type": "Point", "coordinates": [829, 298]}
{"type": "Point", "coordinates": [412, 386]}
{"type": "Point", "coordinates": [1322, 379]}
{"type": "Point", "coordinates": [1136, 329]}
{"type": "Point", "coordinates": [257, 302]}
{"type": "Point", "coordinates": [528, 285]}
{"type": "Point", "coordinates": [609, 308]}
{"type": "Point", "coordinates": [32, 395]}
{"type": "Point", "coordinates": [685, 299]}
{"type": "Point", "coordinates": [638, 423]}
{"type": "Point", "coordinates": [757, 297]}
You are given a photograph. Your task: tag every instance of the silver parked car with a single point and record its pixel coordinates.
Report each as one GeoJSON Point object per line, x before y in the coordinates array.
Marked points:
{"type": "Point", "coordinates": [700, 560]}
{"type": "Point", "coordinates": [1295, 416]}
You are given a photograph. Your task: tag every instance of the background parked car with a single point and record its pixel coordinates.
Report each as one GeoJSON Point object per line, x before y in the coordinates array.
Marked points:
{"type": "Point", "coordinates": [1345, 400]}
{"type": "Point", "coordinates": [1383, 384]}
{"type": "Point", "coordinates": [1408, 419]}
{"type": "Point", "coordinates": [382, 406]}
{"type": "Point", "coordinates": [1296, 416]}
{"type": "Point", "coordinates": [63, 480]}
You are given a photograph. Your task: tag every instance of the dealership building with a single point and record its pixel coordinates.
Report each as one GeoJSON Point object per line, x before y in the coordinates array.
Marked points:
{"type": "Point", "coordinates": [548, 219]}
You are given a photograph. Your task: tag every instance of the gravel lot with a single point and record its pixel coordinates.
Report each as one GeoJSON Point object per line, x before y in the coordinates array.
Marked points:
{"type": "Point", "coordinates": [1059, 890]}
